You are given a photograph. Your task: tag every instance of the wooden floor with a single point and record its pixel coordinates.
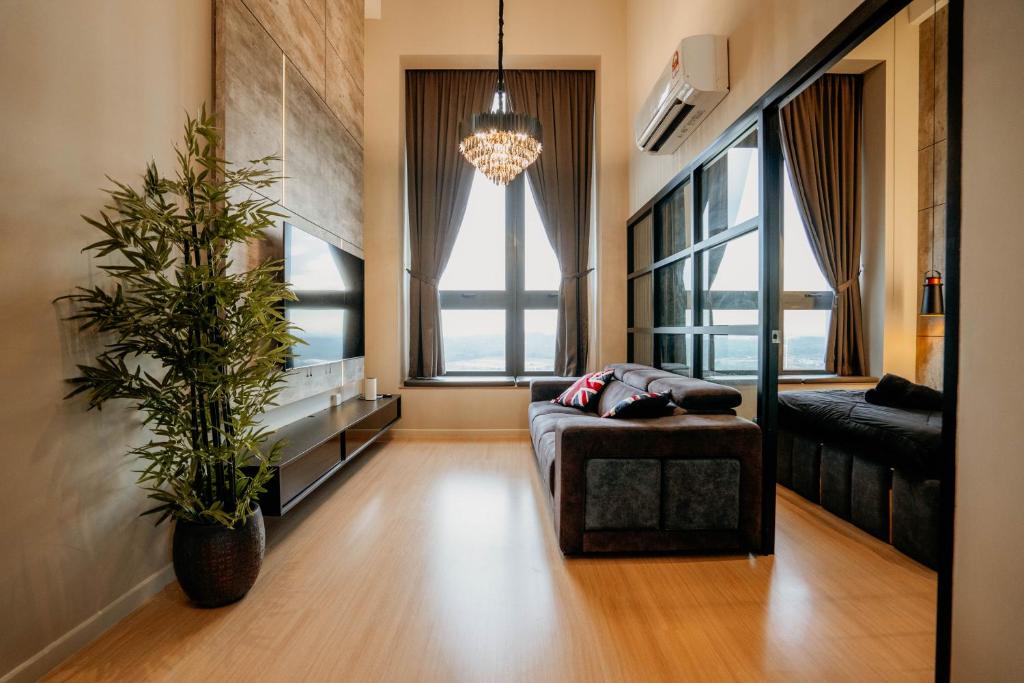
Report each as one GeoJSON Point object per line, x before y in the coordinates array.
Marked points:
{"type": "Point", "coordinates": [435, 560]}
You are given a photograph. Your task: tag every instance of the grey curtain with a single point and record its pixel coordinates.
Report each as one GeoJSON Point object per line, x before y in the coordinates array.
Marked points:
{"type": "Point", "coordinates": [439, 181]}
{"type": "Point", "coordinates": [563, 101]}
{"type": "Point", "coordinates": [821, 139]}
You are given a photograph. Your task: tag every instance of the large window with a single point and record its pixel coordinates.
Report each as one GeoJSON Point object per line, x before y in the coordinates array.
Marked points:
{"type": "Point", "coordinates": [694, 285]}
{"type": "Point", "coordinates": [499, 291]}
{"type": "Point", "coordinates": [806, 298]}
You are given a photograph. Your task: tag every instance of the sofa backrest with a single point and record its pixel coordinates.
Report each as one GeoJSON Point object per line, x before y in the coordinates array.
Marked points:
{"type": "Point", "coordinates": [694, 395]}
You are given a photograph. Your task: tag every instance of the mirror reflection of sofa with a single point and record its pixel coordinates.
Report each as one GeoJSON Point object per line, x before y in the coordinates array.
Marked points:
{"type": "Point", "coordinates": [688, 481]}
{"type": "Point", "coordinates": [872, 464]}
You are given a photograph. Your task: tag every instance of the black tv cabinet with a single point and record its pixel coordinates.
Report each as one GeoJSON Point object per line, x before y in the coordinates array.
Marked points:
{"type": "Point", "coordinates": [319, 445]}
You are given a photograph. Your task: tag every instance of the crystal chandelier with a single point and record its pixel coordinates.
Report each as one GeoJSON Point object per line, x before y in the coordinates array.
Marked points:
{"type": "Point", "coordinates": [501, 143]}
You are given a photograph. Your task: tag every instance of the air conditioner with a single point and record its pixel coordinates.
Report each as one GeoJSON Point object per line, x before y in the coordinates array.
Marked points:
{"type": "Point", "coordinates": [693, 83]}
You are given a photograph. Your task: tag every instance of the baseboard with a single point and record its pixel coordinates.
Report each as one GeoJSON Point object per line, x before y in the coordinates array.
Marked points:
{"type": "Point", "coordinates": [396, 434]}
{"type": "Point", "coordinates": [36, 666]}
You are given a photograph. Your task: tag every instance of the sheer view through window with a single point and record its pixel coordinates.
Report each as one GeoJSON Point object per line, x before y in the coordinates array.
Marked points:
{"type": "Point", "coordinates": [807, 298]}
{"type": "Point", "coordinates": [499, 291]}
{"type": "Point", "coordinates": [730, 271]}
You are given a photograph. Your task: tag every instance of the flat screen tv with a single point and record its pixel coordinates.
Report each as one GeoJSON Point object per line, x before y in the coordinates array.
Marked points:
{"type": "Point", "coordinates": [328, 283]}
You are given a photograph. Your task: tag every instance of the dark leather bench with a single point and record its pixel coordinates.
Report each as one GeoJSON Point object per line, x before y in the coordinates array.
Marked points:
{"type": "Point", "coordinates": [875, 466]}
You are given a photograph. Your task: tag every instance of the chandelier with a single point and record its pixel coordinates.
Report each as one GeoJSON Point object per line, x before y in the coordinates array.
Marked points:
{"type": "Point", "coordinates": [501, 143]}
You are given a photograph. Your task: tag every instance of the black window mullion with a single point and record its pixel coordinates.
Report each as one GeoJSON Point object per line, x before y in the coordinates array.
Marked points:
{"type": "Point", "coordinates": [697, 342]}
{"type": "Point", "coordinates": [513, 276]}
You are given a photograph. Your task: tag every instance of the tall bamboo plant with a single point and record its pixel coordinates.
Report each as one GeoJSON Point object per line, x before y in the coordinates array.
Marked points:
{"type": "Point", "coordinates": [197, 345]}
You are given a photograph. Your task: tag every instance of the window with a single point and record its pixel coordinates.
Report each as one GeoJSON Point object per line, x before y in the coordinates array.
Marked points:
{"type": "Point", "coordinates": [499, 291]}
{"type": "Point", "coordinates": [730, 261]}
{"type": "Point", "coordinates": [806, 299]}
{"type": "Point", "coordinates": [693, 304]}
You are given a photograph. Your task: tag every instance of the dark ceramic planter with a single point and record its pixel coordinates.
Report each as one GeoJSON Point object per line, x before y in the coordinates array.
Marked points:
{"type": "Point", "coordinates": [215, 565]}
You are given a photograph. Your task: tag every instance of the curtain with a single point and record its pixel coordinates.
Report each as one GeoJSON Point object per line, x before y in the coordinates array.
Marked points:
{"type": "Point", "coordinates": [439, 182]}
{"type": "Point", "coordinates": [561, 178]}
{"type": "Point", "coordinates": [821, 140]}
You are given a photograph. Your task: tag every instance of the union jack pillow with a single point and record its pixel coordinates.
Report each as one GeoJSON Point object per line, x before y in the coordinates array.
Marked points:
{"type": "Point", "coordinates": [584, 391]}
{"type": "Point", "coordinates": [643, 404]}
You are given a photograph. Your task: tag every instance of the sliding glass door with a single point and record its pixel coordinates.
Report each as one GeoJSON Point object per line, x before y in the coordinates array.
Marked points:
{"type": "Point", "coordinates": [695, 276]}
{"type": "Point", "coordinates": [703, 279]}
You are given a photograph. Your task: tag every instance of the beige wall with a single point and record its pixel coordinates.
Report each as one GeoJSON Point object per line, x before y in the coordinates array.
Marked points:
{"type": "Point", "coordinates": [90, 88]}
{"type": "Point", "coordinates": [766, 39]}
{"type": "Point", "coordinates": [931, 193]}
{"type": "Point", "coordinates": [432, 33]}
{"type": "Point", "coordinates": [988, 594]}
{"type": "Point", "coordinates": [896, 287]}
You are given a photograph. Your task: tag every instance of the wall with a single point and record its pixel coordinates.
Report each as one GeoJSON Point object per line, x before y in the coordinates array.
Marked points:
{"type": "Point", "coordinates": [432, 33]}
{"type": "Point", "coordinates": [988, 595]}
{"type": "Point", "coordinates": [89, 89]}
{"type": "Point", "coordinates": [766, 39]}
{"type": "Point", "coordinates": [289, 82]}
{"type": "Point", "coordinates": [931, 193]}
{"type": "Point", "coordinates": [890, 277]}
{"type": "Point", "coordinates": [875, 203]}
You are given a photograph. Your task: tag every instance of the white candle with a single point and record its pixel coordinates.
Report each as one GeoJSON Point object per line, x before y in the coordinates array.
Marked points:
{"type": "Point", "coordinates": [370, 389]}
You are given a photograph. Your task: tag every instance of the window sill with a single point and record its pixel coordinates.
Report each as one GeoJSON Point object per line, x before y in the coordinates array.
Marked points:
{"type": "Point", "coordinates": [794, 379]}
{"type": "Point", "coordinates": [464, 381]}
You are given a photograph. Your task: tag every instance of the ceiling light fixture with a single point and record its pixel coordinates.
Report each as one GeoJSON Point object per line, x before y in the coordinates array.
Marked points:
{"type": "Point", "coordinates": [500, 143]}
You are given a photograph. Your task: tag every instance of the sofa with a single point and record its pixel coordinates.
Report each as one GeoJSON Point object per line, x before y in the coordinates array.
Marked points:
{"type": "Point", "coordinates": [876, 466]}
{"type": "Point", "coordinates": [689, 481]}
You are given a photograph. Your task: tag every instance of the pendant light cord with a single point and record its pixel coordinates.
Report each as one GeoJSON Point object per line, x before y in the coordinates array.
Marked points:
{"type": "Point", "coordinates": [501, 45]}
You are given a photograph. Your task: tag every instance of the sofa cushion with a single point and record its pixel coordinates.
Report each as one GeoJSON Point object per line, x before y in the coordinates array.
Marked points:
{"type": "Point", "coordinates": [694, 395]}
{"type": "Point", "coordinates": [544, 417]}
{"type": "Point", "coordinates": [584, 392]}
{"type": "Point", "coordinates": [911, 439]}
{"type": "Point", "coordinates": [538, 408]}
{"type": "Point", "coordinates": [615, 392]}
{"type": "Point", "coordinates": [641, 404]}
{"type": "Point", "coordinates": [896, 392]}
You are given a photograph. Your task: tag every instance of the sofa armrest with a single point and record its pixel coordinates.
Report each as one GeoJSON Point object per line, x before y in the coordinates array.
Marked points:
{"type": "Point", "coordinates": [547, 388]}
{"type": "Point", "coordinates": [680, 437]}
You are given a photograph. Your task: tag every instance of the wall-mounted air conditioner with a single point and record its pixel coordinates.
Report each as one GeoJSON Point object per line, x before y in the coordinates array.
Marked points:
{"type": "Point", "coordinates": [694, 82]}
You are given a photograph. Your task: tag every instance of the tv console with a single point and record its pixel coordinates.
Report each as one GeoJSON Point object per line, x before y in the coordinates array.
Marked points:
{"type": "Point", "coordinates": [317, 446]}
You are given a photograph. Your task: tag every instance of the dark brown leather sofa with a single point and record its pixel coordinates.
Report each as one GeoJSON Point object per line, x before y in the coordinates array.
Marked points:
{"type": "Point", "coordinates": [690, 481]}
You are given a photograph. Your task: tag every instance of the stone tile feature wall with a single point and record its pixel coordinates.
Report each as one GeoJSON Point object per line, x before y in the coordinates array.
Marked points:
{"type": "Point", "coordinates": [931, 186]}
{"type": "Point", "coordinates": [289, 83]}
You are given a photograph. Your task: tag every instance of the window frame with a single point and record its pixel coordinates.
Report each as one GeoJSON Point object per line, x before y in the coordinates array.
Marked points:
{"type": "Point", "coordinates": [515, 300]}
{"type": "Point", "coordinates": [699, 245]}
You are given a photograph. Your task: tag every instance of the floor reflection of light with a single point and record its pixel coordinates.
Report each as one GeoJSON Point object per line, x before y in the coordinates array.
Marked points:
{"type": "Point", "coordinates": [488, 573]}
{"type": "Point", "coordinates": [789, 613]}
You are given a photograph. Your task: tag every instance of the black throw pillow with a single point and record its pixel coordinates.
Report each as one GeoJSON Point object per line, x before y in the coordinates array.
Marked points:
{"type": "Point", "coordinates": [643, 404]}
{"type": "Point", "coordinates": [897, 392]}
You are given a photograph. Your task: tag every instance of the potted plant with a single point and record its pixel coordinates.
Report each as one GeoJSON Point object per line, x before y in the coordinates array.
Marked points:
{"type": "Point", "coordinates": [198, 346]}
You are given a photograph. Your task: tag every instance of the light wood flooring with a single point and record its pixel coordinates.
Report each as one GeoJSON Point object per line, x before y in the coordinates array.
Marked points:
{"type": "Point", "coordinates": [435, 560]}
